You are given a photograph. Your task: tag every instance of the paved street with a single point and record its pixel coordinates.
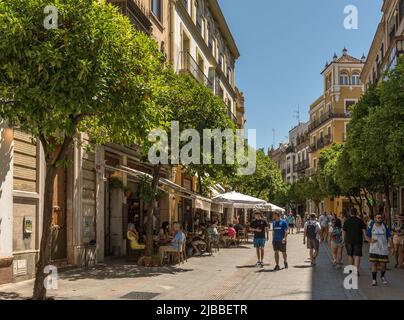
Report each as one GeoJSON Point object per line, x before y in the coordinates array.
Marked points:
{"type": "Point", "coordinates": [229, 274]}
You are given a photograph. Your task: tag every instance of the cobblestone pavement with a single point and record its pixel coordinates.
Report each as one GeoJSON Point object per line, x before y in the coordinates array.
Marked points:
{"type": "Point", "coordinates": [229, 274]}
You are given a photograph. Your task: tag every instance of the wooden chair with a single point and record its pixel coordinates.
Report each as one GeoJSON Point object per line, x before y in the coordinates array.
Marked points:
{"type": "Point", "coordinates": [180, 255]}
{"type": "Point", "coordinates": [241, 236]}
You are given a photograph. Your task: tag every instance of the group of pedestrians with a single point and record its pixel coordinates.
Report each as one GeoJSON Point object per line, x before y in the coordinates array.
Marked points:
{"type": "Point", "coordinates": [349, 235]}
{"type": "Point", "coordinates": [352, 235]}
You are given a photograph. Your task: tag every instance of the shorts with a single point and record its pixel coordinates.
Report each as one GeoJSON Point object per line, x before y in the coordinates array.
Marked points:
{"type": "Point", "coordinates": [313, 244]}
{"type": "Point", "coordinates": [336, 245]}
{"type": "Point", "coordinates": [279, 246]}
{"type": "Point", "coordinates": [259, 243]}
{"type": "Point", "coordinates": [377, 258]}
{"type": "Point", "coordinates": [354, 250]}
{"type": "Point", "coordinates": [398, 240]}
{"type": "Point", "coordinates": [291, 225]}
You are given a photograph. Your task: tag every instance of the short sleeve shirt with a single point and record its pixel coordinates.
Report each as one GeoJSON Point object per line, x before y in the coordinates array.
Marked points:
{"type": "Point", "coordinates": [353, 228]}
{"type": "Point", "coordinates": [280, 228]}
{"type": "Point", "coordinates": [259, 224]}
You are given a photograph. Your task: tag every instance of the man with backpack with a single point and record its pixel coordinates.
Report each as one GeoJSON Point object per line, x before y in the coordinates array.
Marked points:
{"type": "Point", "coordinates": [312, 231]}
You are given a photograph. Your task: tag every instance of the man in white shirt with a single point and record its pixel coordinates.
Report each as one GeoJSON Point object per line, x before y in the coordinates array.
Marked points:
{"type": "Point", "coordinates": [325, 225]}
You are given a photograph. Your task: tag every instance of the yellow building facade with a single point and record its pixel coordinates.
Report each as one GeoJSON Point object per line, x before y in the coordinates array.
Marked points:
{"type": "Point", "coordinates": [330, 115]}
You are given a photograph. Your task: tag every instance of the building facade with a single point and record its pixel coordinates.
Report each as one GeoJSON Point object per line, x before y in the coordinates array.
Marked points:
{"type": "Point", "coordinates": [97, 196]}
{"type": "Point", "coordinates": [387, 46]}
{"type": "Point", "coordinates": [330, 114]}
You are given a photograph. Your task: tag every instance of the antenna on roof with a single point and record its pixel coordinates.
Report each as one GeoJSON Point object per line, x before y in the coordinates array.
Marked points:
{"type": "Point", "coordinates": [296, 114]}
{"type": "Point", "coordinates": [273, 137]}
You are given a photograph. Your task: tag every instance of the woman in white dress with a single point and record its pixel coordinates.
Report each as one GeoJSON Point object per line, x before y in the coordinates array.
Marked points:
{"type": "Point", "coordinates": [379, 237]}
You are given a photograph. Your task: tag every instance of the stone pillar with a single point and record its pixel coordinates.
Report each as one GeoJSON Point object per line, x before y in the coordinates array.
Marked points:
{"type": "Point", "coordinates": [6, 204]}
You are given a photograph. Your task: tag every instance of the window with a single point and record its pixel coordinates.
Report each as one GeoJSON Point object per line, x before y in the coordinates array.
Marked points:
{"type": "Point", "coordinates": [156, 8]}
{"type": "Point", "coordinates": [348, 105]}
{"type": "Point", "coordinates": [356, 80]}
{"type": "Point", "coordinates": [344, 79]}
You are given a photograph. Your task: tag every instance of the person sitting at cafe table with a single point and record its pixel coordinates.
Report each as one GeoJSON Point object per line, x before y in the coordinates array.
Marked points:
{"type": "Point", "coordinates": [179, 239]}
{"type": "Point", "coordinates": [229, 235]}
{"type": "Point", "coordinates": [133, 237]}
{"type": "Point", "coordinates": [214, 233]}
{"type": "Point", "coordinates": [201, 240]}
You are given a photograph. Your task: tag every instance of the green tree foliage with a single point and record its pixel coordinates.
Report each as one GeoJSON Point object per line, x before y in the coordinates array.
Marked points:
{"type": "Point", "coordinates": [92, 74]}
{"type": "Point", "coordinates": [266, 183]}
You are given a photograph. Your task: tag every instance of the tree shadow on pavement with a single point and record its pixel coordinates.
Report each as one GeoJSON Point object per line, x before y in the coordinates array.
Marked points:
{"type": "Point", "coordinates": [11, 296]}
{"type": "Point", "coordinates": [119, 271]}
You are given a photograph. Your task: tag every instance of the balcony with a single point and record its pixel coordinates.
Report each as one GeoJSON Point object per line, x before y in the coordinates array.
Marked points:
{"type": "Point", "coordinates": [327, 140]}
{"type": "Point", "coordinates": [189, 65]}
{"type": "Point", "coordinates": [325, 118]}
{"type": "Point", "coordinates": [232, 116]}
{"type": "Point", "coordinates": [311, 172]}
{"type": "Point", "coordinates": [135, 12]}
{"type": "Point", "coordinates": [301, 166]}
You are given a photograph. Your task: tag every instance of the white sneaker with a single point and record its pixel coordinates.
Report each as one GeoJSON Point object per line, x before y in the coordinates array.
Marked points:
{"type": "Point", "coordinates": [374, 283]}
{"type": "Point", "coordinates": [385, 282]}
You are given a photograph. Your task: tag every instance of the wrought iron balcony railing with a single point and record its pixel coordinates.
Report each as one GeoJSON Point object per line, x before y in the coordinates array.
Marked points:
{"type": "Point", "coordinates": [188, 64]}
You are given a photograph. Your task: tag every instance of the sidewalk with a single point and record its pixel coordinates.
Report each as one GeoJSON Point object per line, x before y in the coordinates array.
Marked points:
{"type": "Point", "coordinates": [229, 274]}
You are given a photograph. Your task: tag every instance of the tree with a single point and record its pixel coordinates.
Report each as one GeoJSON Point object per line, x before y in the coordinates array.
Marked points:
{"type": "Point", "coordinates": [313, 191]}
{"type": "Point", "coordinates": [265, 183]}
{"type": "Point", "coordinates": [193, 106]}
{"type": "Point", "coordinates": [91, 74]}
{"type": "Point", "coordinates": [375, 135]}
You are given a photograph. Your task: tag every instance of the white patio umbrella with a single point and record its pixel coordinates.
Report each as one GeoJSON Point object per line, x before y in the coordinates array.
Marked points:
{"type": "Point", "coordinates": [270, 207]}
{"type": "Point", "coordinates": [238, 200]}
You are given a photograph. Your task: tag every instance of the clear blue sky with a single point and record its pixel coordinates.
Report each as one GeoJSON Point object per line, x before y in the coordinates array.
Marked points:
{"type": "Point", "coordinates": [284, 46]}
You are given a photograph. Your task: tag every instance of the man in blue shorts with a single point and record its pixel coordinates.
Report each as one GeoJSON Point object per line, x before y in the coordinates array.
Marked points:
{"type": "Point", "coordinates": [259, 227]}
{"type": "Point", "coordinates": [280, 235]}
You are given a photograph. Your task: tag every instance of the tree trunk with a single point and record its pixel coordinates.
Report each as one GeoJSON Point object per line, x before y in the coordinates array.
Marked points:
{"type": "Point", "coordinates": [150, 212]}
{"type": "Point", "coordinates": [388, 202]}
{"type": "Point", "coordinates": [52, 159]}
{"type": "Point", "coordinates": [200, 184]}
{"type": "Point", "coordinates": [45, 248]}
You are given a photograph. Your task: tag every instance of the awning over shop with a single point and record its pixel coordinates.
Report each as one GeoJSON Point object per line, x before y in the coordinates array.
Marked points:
{"type": "Point", "coordinates": [203, 203]}
{"type": "Point", "coordinates": [216, 207]}
{"type": "Point", "coordinates": [162, 181]}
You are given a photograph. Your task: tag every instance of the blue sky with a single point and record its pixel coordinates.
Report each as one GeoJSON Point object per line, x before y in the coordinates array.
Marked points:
{"type": "Point", "coordinates": [284, 46]}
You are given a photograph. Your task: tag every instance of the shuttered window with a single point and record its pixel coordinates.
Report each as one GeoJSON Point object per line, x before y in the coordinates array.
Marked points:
{"type": "Point", "coordinates": [25, 162]}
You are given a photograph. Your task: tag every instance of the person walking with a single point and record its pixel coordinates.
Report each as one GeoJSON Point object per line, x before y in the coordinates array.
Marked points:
{"type": "Point", "coordinates": [336, 242]}
{"type": "Point", "coordinates": [279, 240]}
{"type": "Point", "coordinates": [325, 225]}
{"type": "Point", "coordinates": [298, 223]}
{"type": "Point", "coordinates": [259, 227]}
{"type": "Point", "coordinates": [380, 239]}
{"type": "Point", "coordinates": [291, 223]}
{"type": "Point", "coordinates": [398, 240]}
{"type": "Point", "coordinates": [312, 231]}
{"type": "Point", "coordinates": [354, 231]}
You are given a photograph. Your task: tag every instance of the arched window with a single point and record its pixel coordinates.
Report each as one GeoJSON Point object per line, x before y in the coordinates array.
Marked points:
{"type": "Point", "coordinates": [356, 79]}
{"type": "Point", "coordinates": [344, 79]}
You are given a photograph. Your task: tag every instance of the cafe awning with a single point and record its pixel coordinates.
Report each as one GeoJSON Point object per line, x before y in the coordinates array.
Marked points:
{"type": "Point", "coordinates": [162, 181]}
{"type": "Point", "coordinates": [203, 203]}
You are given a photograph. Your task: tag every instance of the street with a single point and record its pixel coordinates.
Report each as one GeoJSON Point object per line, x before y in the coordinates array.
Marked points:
{"type": "Point", "coordinates": [229, 274]}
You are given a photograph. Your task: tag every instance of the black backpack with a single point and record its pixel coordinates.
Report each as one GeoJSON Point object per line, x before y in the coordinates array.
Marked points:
{"type": "Point", "coordinates": [312, 231]}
